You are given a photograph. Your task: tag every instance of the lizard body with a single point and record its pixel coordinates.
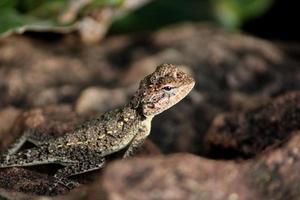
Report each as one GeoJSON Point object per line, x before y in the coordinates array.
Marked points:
{"type": "Point", "coordinates": [84, 149]}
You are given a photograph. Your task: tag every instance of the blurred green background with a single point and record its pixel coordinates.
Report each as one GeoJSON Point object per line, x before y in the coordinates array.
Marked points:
{"type": "Point", "coordinates": [230, 14]}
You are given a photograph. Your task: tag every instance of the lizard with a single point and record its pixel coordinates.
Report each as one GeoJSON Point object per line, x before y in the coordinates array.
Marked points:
{"type": "Point", "coordinates": [84, 149]}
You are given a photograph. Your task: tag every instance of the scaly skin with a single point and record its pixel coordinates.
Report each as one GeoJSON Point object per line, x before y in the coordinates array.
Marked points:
{"type": "Point", "coordinates": [85, 148]}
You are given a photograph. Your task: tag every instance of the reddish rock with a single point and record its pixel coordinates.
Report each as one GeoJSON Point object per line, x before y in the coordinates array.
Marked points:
{"type": "Point", "coordinates": [48, 122]}
{"type": "Point", "coordinates": [28, 182]}
{"type": "Point", "coordinates": [254, 131]}
{"type": "Point", "coordinates": [272, 176]}
{"type": "Point", "coordinates": [97, 99]}
{"type": "Point", "coordinates": [148, 149]}
{"type": "Point", "coordinates": [8, 118]}
{"type": "Point", "coordinates": [180, 176]}
{"type": "Point", "coordinates": [275, 175]}
{"type": "Point", "coordinates": [53, 120]}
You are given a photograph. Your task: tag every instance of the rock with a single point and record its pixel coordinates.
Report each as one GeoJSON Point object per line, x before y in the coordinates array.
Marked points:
{"type": "Point", "coordinates": [28, 182]}
{"type": "Point", "coordinates": [148, 149]}
{"type": "Point", "coordinates": [138, 70]}
{"type": "Point", "coordinates": [179, 176]}
{"type": "Point", "coordinates": [53, 95]}
{"type": "Point", "coordinates": [272, 176]}
{"type": "Point", "coordinates": [96, 99]}
{"type": "Point", "coordinates": [50, 121]}
{"type": "Point", "coordinates": [183, 176]}
{"type": "Point", "coordinates": [172, 132]}
{"type": "Point", "coordinates": [275, 175]}
{"type": "Point", "coordinates": [224, 62]}
{"type": "Point", "coordinates": [248, 134]}
{"type": "Point", "coordinates": [8, 116]}
{"type": "Point", "coordinates": [9, 195]}
{"type": "Point", "coordinates": [34, 73]}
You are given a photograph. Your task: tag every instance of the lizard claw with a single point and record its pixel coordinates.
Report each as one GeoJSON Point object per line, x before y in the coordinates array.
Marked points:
{"type": "Point", "coordinates": [66, 183]}
{"type": "Point", "coordinates": [72, 184]}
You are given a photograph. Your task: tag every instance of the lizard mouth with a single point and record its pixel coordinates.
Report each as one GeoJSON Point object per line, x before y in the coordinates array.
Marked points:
{"type": "Point", "coordinates": [184, 91]}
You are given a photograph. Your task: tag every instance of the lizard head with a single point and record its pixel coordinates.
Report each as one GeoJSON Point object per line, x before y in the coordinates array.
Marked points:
{"type": "Point", "coordinates": [166, 86]}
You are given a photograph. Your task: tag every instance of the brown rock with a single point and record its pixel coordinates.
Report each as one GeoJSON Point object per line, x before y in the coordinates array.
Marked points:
{"type": "Point", "coordinates": [10, 195]}
{"type": "Point", "coordinates": [180, 176]}
{"type": "Point", "coordinates": [97, 99]}
{"type": "Point", "coordinates": [34, 73]}
{"type": "Point", "coordinates": [28, 182]}
{"type": "Point", "coordinates": [8, 118]}
{"type": "Point", "coordinates": [148, 149]}
{"type": "Point", "coordinates": [61, 118]}
{"type": "Point", "coordinates": [250, 133]}
{"type": "Point", "coordinates": [224, 62]}
{"type": "Point", "coordinates": [272, 176]}
{"type": "Point", "coordinates": [47, 121]}
{"type": "Point", "coordinates": [275, 176]}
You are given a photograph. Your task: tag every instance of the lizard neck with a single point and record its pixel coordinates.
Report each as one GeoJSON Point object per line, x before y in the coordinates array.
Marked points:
{"type": "Point", "coordinates": [140, 118]}
{"type": "Point", "coordinates": [135, 104]}
{"type": "Point", "coordinates": [145, 120]}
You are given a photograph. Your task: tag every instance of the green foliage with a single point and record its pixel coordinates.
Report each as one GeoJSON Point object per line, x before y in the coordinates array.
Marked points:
{"type": "Point", "coordinates": [16, 14]}
{"type": "Point", "coordinates": [159, 13]}
{"type": "Point", "coordinates": [10, 19]}
{"type": "Point", "coordinates": [228, 13]}
{"type": "Point", "coordinates": [97, 3]}
{"type": "Point", "coordinates": [233, 13]}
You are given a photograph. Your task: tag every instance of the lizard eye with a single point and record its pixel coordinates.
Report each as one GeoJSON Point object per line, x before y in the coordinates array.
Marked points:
{"type": "Point", "coordinates": [167, 88]}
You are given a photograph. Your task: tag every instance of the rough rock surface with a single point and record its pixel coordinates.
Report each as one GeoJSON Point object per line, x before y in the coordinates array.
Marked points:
{"type": "Point", "coordinates": [252, 132]}
{"type": "Point", "coordinates": [96, 99]}
{"type": "Point", "coordinates": [275, 175]}
{"type": "Point", "coordinates": [48, 121]}
{"type": "Point", "coordinates": [175, 177]}
{"type": "Point", "coordinates": [8, 116]}
{"type": "Point", "coordinates": [270, 176]}
{"type": "Point", "coordinates": [184, 176]}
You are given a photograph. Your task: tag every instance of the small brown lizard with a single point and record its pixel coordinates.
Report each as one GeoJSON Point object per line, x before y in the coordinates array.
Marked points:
{"type": "Point", "coordinates": [85, 148]}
